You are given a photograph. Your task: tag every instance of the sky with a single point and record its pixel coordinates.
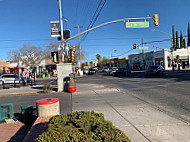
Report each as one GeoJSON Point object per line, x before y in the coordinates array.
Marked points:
{"type": "Point", "coordinates": [24, 21]}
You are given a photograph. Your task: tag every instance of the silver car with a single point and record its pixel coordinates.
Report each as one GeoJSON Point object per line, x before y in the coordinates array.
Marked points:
{"type": "Point", "coordinates": [112, 70]}
{"type": "Point", "coordinates": [9, 78]}
{"type": "Point", "coordinates": [154, 70]}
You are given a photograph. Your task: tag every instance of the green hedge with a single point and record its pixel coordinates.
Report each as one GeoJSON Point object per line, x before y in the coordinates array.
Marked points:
{"type": "Point", "coordinates": [82, 126]}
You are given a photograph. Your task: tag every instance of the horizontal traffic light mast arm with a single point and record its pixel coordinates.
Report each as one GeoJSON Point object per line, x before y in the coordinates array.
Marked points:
{"type": "Point", "coordinates": [159, 47]}
{"type": "Point", "coordinates": [120, 20]}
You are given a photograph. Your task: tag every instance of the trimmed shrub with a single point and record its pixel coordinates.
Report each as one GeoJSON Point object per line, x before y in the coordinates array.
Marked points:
{"type": "Point", "coordinates": [82, 126]}
{"type": "Point", "coordinates": [46, 88]}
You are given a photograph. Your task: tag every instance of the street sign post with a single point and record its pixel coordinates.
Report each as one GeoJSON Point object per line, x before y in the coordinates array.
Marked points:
{"type": "Point", "coordinates": [136, 24]}
{"type": "Point", "coordinates": [143, 48]}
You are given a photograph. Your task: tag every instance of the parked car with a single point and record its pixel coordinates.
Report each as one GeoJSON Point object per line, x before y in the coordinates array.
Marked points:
{"type": "Point", "coordinates": [10, 78]}
{"type": "Point", "coordinates": [122, 71]}
{"type": "Point", "coordinates": [92, 71]}
{"type": "Point", "coordinates": [96, 68]}
{"type": "Point", "coordinates": [154, 70]}
{"type": "Point", "coordinates": [112, 70]}
{"type": "Point", "coordinates": [105, 69]}
{"type": "Point", "coordinates": [13, 78]}
{"type": "Point", "coordinates": [85, 71]}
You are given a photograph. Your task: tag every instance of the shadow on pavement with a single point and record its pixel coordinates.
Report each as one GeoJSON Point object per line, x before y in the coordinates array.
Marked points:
{"type": "Point", "coordinates": [20, 135]}
{"type": "Point", "coordinates": [36, 130]}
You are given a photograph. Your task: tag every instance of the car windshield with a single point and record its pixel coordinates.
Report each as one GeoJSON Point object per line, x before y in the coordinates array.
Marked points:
{"type": "Point", "coordinates": [113, 69]}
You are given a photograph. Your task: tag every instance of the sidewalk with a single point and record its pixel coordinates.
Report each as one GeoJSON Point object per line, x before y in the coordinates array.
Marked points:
{"type": "Point", "coordinates": [140, 121]}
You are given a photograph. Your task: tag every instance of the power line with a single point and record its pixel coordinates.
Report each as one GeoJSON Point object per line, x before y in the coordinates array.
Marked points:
{"type": "Point", "coordinates": [124, 53]}
{"type": "Point", "coordinates": [26, 40]}
{"type": "Point", "coordinates": [120, 38]}
{"type": "Point", "coordinates": [94, 15]}
{"type": "Point", "coordinates": [92, 22]}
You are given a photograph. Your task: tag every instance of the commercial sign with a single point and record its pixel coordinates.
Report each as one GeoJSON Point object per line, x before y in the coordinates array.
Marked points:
{"type": "Point", "coordinates": [55, 29]}
{"type": "Point", "coordinates": [136, 24]}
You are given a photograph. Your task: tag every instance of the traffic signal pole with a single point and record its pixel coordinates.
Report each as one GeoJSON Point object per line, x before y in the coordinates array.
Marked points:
{"type": "Point", "coordinates": [143, 54]}
{"type": "Point", "coordinates": [62, 35]}
{"type": "Point", "coordinates": [107, 23]}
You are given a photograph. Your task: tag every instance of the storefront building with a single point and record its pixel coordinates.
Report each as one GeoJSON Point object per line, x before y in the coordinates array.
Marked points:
{"type": "Point", "coordinates": [120, 62]}
{"type": "Point", "coordinates": [180, 58]}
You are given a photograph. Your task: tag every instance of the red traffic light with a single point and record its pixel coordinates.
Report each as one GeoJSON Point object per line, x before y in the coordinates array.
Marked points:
{"type": "Point", "coordinates": [134, 46]}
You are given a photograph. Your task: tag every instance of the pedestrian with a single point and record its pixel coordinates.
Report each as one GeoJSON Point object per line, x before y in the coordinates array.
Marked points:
{"type": "Point", "coordinates": [179, 66]}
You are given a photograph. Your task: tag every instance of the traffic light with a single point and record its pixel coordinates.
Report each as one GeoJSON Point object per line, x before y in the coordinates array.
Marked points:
{"type": "Point", "coordinates": [73, 48]}
{"type": "Point", "coordinates": [66, 35]}
{"type": "Point", "coordinates": [155, 20]}
{"type": "Point", "coordinates": [72, 54]}
{"type": "Point", "coordinates": [134, 46]}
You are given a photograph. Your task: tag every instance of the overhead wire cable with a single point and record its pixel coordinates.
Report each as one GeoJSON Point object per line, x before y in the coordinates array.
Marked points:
{"type": "Point", "coordinates": [94, 20]}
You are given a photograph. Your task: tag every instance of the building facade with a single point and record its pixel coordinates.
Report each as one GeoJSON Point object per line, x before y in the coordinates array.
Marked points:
{"type": "Point", "coordinates": [120, 62]}
{"type": "Point", "coordinates": [166, 58]}
{"type": "Point", "coordinates": [4, 67]}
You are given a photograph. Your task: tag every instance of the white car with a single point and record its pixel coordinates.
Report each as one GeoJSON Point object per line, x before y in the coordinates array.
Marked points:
{"type": "Point", "coordinates": [112, 70]}
{"type": "Point", "coordinates": [9, 78]}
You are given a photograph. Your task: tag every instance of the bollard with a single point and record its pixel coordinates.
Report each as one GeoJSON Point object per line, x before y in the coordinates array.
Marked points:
{"type": "Point", "coordinates": [48, 107]}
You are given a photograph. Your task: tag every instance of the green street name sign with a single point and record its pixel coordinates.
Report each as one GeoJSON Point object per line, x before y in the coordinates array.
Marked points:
{"type": "Point", "coordinates": [136, 24]}
{"type": "Point", "coordinates": [143, 48]}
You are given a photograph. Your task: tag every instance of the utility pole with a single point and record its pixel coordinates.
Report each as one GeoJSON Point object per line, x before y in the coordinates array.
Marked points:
{"type": "Point", "coordinates": [143, 54]}
{"type": "Point", "coordinates": [79, 45]}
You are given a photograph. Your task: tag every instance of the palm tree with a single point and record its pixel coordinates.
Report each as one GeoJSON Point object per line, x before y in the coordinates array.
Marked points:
{"type": "Point", "coordinates": [98, 57]}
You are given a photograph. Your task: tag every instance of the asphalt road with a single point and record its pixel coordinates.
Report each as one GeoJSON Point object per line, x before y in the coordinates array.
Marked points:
{"type": "Point", "coordinates": [17, 101]}
{"type": "Point", "coordinates": [168, 93]}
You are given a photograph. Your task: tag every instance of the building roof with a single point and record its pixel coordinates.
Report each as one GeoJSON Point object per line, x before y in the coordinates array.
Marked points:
{"type": "Point", "coordinates": [4, 63]}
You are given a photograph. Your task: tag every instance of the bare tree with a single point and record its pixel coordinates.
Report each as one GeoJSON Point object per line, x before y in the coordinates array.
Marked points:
{"type": "Point", "coordinates": [52, 46]}
{"type": "Point", "coordinates": [28, 55]}
{"type": "Point", "coordinates": [77, 54]}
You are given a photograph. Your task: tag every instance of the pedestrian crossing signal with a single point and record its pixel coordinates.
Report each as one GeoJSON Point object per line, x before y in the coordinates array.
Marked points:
{"type": "Point", "coordinates": [55, 57]}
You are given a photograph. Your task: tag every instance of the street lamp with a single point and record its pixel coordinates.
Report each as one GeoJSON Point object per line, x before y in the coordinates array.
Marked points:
{"type": "Point", "coordinates": [171, 37]}
{"type": "Point", "coordinates": [115, 51]}
{"type": "Point", "coordinates": [65, 23]}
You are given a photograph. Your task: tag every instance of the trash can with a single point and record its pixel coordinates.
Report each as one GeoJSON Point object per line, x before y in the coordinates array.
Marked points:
{"type": "Point", "coordinates": [26, 112]}
{"type": "Point", "coordinates": [48, 107]}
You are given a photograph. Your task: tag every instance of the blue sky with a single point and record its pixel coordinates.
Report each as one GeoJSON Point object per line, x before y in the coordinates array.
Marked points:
{"type": "Point", "coordinates": [24, 21]}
